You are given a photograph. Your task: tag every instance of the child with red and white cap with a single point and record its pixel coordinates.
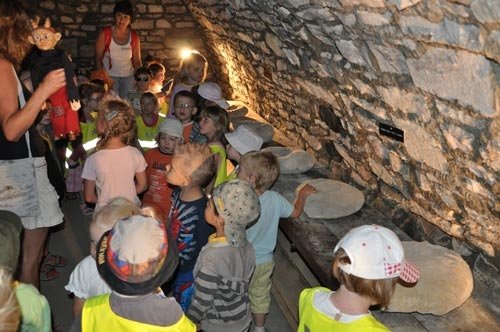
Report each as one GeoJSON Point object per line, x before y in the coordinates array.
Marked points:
{"type": "Point", "coordinates": [368, 261]}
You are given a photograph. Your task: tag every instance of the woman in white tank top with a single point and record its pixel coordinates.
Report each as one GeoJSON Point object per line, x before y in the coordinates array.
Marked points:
{"type": "Point", "coordinates": [118, 49]}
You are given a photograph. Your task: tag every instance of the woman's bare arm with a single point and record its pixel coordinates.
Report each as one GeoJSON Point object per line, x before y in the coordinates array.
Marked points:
{"type": "Point", "coordinates": [99, 50]}
{"type": "Point", "coordinates": [137, 63]}
{"type": "Point", "coordinates": [15, 122]}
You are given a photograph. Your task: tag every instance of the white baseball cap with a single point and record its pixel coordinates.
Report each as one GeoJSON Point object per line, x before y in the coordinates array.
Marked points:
{"type": "Point", "coordinates": [172, 127]}
{"type": "Point", "coordinates": [244, 139]}
{"type": "Point", "coordinates": [213, 92]}
{"type": "Point", "coordinates": [375, 252]}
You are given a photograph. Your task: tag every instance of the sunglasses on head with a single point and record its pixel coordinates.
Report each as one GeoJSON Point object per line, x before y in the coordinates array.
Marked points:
{"type": "Point", "coordinates": [143, 79]}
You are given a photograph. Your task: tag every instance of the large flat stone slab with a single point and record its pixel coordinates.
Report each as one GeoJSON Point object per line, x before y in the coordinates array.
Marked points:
{"type": "Point", "coordinates": [332, 199]}
{"type": "Point", "coordinates": [445, 281]}
{"type": "Point", "coordinates": [292, 161]}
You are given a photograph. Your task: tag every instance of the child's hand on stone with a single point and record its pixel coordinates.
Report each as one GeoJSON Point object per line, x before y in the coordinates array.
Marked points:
{"type": "Point", "coordinates": [306, 191]}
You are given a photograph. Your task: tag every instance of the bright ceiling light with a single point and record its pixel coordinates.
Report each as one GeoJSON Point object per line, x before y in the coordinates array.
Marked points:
{"type": "Point", "coordinates": [185, 52]}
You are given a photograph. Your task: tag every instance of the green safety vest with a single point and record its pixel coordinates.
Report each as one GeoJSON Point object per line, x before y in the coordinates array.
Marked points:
{"type": "Point", "coordinates": [311, 320]}
{"type": "Point", "coordinates": [97, 316]}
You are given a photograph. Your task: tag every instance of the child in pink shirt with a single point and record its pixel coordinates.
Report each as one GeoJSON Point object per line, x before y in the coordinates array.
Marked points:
{"type": "Point", "coordinates": [116, 169]}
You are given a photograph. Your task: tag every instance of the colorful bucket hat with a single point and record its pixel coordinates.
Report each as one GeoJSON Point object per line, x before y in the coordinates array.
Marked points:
{"type": "Point", "coordinates": [135, 257]}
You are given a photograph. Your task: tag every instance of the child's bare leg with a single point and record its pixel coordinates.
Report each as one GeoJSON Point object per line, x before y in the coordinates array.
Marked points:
{"type": "Point", "coordinates": [259, 320]}
{"type": "Point", "coordinates": [77, 306]}
{"type": "Point", "coordinates": [33, 245]}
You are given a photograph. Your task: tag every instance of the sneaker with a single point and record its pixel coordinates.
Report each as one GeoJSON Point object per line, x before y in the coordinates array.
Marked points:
{"type": "Point", "coordinates": [86, 210]}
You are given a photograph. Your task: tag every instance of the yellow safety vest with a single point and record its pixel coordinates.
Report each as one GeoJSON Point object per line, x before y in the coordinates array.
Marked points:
{"type": "Point", "coordinates": [311, 320]}
{"type": "Point", "coordinates": [97, 316]}
{"type": "Point", "coordinates": [89, 131]}
{"type": "Point", "coordinates": [146, 133]}
{"type": "Point", "coordinates": [221, 175]}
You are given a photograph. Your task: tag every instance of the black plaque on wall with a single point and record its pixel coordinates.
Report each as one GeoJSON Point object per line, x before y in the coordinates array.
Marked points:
{"type": "Point", "coordinates": [392, 132]}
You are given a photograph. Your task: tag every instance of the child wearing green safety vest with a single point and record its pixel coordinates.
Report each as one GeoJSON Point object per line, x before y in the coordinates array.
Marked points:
{"type": "Point", "coordinates": [148, 121]}
{"type": "Point", "coordinates": [134, 258]}
{"type": "Point", "coordinates": [214, 123]}
{"type": "Point", "coordinates": [91, 95]}
{"type": "Point", "coordinates": [368, 261]}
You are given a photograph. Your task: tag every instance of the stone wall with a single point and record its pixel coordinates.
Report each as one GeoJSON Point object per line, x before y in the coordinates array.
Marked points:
{"type": "Point", "coordinates": [164, 27]}
{"type": "Point", "coordinates": [328, 72]}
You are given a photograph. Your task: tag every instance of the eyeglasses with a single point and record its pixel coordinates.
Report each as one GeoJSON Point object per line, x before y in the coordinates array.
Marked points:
{"type": "Point", "coordinates": [143, 79]}
{"type": "Point", "coordinates": [184, 107]}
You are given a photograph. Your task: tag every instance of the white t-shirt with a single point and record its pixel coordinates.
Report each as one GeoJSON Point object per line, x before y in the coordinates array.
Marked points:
{"type": "Point", "coordinates": [322, 303]}
{"type": "Point", "coordinates": [121, 59]}
{"type": "Point", "coordinates": [85, 281]}
{"type": "Point", "coordinates": [113, 172]}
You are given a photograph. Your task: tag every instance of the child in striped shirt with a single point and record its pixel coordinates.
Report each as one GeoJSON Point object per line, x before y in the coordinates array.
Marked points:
{"type": "Point", "coordinates": [226, 263]}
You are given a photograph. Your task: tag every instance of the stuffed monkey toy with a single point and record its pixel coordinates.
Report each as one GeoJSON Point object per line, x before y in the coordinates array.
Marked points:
{"type": "Point", "coordinates": [66, 101]}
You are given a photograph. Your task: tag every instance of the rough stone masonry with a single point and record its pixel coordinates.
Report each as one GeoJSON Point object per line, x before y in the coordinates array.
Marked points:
{"type": "Point", "coordinates": [327, 72]}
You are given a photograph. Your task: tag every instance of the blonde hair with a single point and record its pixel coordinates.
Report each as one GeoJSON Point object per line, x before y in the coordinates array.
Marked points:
{"type": "Point", "coordinates": [118, 208]}
{"type": "Point", "coordinates": [119, 120]}
{"type": "Point", "coordinates": [187, 62]}
{"type": "Point", "coordinates": [193, 154]}
{"type": "Point", "coordinates": [15, 28]}
{"type": "Point", "coordinates": [219, 116]}
{"type": "Point", "coordinates": [379, 290]}
{"type": "Point", "coordinates": [9, 307]}
{"type": "Point", "coordinates": [263, 166]}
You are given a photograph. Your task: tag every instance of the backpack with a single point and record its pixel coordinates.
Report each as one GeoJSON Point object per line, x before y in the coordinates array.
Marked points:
{"type": "Point", "coordinates": [108, 35]}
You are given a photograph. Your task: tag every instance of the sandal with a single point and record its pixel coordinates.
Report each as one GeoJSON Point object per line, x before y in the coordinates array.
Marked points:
{"type": "Point", "coordinates": [48, 273]}
{"type": "Point", "coordinates": [55, 260]}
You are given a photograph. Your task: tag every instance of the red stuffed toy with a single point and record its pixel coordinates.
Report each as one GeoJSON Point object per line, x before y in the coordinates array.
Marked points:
{"type": "Point", "coordinates": [66, 101]}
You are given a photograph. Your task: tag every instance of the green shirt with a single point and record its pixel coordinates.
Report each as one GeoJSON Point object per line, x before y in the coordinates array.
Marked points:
{"type": "Point", "coordinates": [35, 310]}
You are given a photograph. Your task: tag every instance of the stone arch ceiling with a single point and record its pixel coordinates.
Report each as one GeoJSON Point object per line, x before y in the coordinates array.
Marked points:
{"type": "Point", "coordinates": [328, 72]}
